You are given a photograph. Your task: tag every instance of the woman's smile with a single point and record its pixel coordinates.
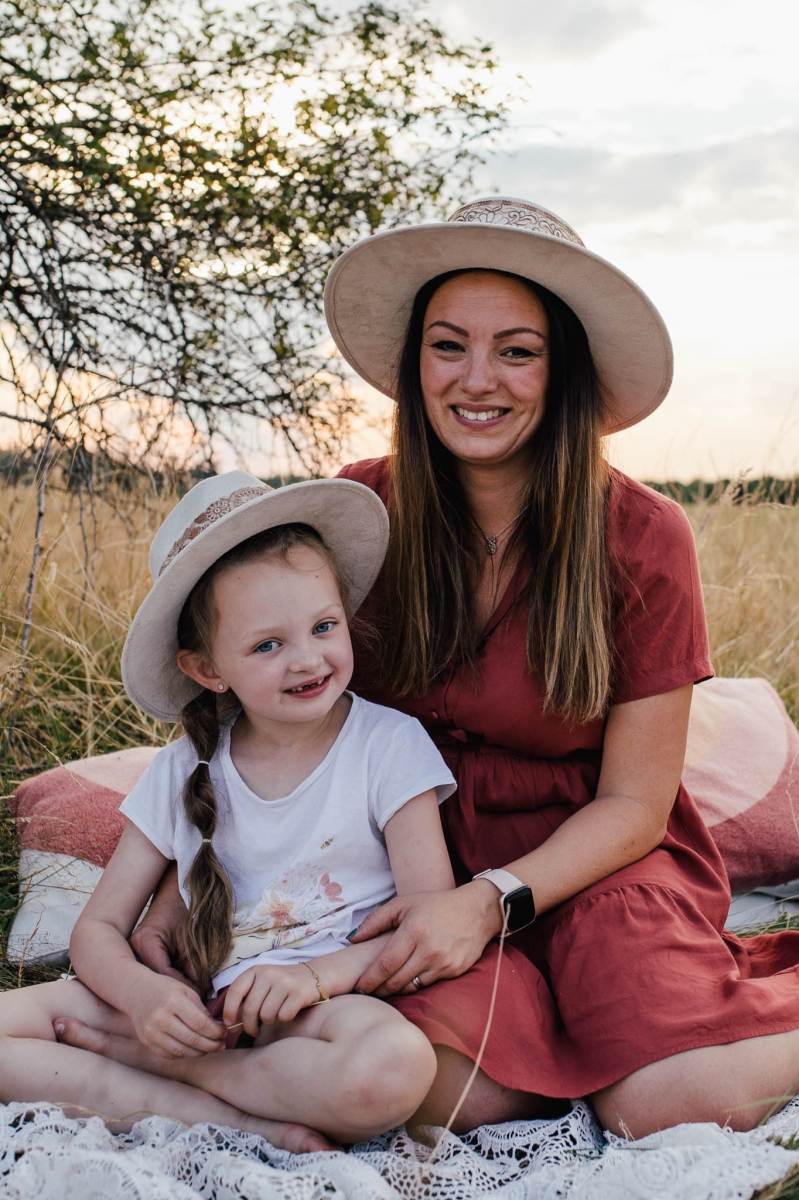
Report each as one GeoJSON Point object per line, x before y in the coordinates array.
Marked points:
{"type": "Point", "coordinates": [483, 415]}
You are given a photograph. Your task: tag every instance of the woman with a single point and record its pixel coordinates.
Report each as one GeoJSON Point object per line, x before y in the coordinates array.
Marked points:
{"type": "Point", "coordinates": [542, 615]}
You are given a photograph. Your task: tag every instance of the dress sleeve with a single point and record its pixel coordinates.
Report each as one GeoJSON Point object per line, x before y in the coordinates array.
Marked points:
{"type": "Point", "coordinates": [408, 763]}
{"type": "Point", "coordinates": [660, 635]}
{"type": "Point", "coordinates": [371, 472]}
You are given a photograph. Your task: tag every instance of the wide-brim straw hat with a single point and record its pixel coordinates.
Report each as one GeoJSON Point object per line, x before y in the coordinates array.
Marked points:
{"type": "Point", "coordinates": [212, 518]}
{"type": "Point", "coordinates": [371, 289]}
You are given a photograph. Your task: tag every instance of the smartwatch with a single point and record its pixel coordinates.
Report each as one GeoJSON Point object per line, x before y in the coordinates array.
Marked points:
{"type": "Point", "coordinates": [515, 898]}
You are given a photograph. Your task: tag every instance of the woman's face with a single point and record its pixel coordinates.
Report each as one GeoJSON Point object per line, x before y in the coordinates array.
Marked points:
{"type": "Point", "coordinates": [484, 366]}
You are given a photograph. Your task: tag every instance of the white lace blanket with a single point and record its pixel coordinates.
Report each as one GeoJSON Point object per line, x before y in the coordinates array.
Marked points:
{"type": "Point", "coordinates": [46, 1156]}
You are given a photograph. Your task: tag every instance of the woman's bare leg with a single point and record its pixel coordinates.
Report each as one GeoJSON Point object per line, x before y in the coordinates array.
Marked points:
{"type": "Point", "coordinates": [353, 1067]}
{"type": "Point", "coordinates": [486, 1102]}
{"type": "Point", "coordinates": [34, 1066]}
{"type": "Point", "coordinates": [740, 1085]}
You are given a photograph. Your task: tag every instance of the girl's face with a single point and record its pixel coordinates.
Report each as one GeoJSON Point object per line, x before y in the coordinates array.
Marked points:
{"type": "Point", "coordinates": [484, 366]}
{"type": "Point", "coordinates": [281, 641]}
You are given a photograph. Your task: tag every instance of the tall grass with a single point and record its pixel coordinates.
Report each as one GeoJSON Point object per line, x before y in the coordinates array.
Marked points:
{"type": "Point", "coordinates": [68, 700]}
{"type": "Point", "coordinates": [749, 559]}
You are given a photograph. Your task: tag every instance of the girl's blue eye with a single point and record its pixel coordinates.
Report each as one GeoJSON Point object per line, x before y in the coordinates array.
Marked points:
{"type": "Point", "coordinates": [325, 626]}
{"type": "Point", "coordinates": [447, 346]}
{"type": "Point", "coordinates": [266, 646]}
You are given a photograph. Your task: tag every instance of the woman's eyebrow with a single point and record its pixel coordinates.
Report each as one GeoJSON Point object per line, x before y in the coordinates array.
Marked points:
{"type": "Point", "coordinates": [497, 336]}
{"type": "Point", "coordinates": [519, 329]}
{"type": "Point", "coordinates": [448, 325]}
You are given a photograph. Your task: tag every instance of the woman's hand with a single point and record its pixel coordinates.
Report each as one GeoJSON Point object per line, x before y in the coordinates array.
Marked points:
{"type": "Point", "coordinates": [439, 936]}
{"type": "Point", "coordinates": [263, 995]}
{"type": "Point", "coordinates": [158, 940]}
{"type": "Point", "coordinates": [170, 1019]}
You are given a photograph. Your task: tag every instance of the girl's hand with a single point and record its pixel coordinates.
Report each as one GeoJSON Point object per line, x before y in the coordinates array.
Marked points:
{"type": "Point", "coordinates": [439, 936]}
{"type": "Point", "coordinates": [170, 1019]}
{"type": "Point", "coordinates": [264, 995]}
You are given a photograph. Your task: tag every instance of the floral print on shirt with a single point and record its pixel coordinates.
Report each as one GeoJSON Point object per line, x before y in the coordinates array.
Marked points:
{"type": "Point", "coordinates": [289, 911]}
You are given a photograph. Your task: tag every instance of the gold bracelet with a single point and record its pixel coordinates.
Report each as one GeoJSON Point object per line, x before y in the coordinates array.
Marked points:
{"type": "Point", "coordinates": [320, 987]}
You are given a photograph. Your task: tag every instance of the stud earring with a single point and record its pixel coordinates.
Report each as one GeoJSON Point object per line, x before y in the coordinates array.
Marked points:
{"type": "Point", "coordinates": [221, 687]}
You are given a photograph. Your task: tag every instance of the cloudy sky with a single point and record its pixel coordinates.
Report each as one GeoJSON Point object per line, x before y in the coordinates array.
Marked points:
{"type": "Point", "coordinates": [667, 133]}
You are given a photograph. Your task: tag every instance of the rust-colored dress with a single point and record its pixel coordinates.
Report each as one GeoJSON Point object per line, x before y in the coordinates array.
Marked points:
{"type": "Point", "coordinates": [637, 967]}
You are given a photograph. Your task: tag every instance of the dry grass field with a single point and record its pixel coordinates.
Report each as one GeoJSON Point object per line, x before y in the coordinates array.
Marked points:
{"type": "Point", "coordinates": [69, 702]}
{"type": "Point", "coordinates": [93, 574]}
{"type": "Point", "coordinates": [749, 558]}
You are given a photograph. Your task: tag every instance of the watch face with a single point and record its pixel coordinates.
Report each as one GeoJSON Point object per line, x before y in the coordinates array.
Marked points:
{"type": "Point", "coordinates": [519, 908]}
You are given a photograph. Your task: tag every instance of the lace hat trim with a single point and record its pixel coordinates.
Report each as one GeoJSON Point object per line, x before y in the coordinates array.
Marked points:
{"type": "Point", "coordinates": [219, 508]}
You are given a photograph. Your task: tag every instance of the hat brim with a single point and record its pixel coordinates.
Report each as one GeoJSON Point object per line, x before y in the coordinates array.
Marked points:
{"type": "Point", "coordinates": [351, 520]}
{"type": "Point", "coordinates": [371, 288]}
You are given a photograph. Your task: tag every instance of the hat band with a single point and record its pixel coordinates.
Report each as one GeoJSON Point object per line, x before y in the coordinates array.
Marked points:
{"type": "Point", "coordinates": [516, 214]}
{"type": "Point", "coordinates": [219, 508]}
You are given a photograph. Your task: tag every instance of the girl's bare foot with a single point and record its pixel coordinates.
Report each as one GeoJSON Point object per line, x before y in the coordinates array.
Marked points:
{"type": "Point", "coordinates": [298, 1139]}
{"type": "Point", "coordinates": [286, 1135]}
{"type": "Point", "coordinates": [72, 1032]}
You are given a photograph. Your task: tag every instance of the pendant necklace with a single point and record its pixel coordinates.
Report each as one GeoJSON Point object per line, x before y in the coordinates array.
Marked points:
{"type": "Point", "coordinates": [491, 542]}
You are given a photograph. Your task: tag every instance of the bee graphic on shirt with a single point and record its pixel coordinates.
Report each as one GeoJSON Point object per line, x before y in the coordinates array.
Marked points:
{"type": "Point", "coordinates": [329, 842]}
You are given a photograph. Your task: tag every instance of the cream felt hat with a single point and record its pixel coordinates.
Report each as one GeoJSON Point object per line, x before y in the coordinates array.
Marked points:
{"type": "Point", "coordinates": [212, 518]}
{"type": "Point", "coordinates": [371, 288]}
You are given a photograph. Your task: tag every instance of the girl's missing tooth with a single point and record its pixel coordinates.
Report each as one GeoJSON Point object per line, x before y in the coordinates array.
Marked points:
{"type": "Point", "coordinates": [292, 810]}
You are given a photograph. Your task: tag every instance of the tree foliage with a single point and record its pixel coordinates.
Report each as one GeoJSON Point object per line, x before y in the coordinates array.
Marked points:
{"type": "Point", "coordinates": [175, 182]}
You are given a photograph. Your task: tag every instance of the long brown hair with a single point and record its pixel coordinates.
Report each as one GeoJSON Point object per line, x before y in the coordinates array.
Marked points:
{"type": "Point", "coordinates": [429, 613]}
{"type": "Point", "coordinates": [210, 921]}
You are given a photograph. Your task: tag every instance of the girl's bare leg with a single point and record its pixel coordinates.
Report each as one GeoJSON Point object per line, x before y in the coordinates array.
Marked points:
{"type": "Point", "coordinates": [353, 1067]}
{"type": "Point", "coordinates": [740, 1085]}
{"type": "Point", "coordinates": [34, 1066]}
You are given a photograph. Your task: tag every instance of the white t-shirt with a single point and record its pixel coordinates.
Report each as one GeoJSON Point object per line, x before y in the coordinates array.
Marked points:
{"type": "Point", "coordinates": [308, 868]}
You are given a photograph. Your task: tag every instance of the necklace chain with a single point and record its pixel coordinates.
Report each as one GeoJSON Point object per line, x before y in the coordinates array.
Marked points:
{"type": "Point", "coordinates": [491, 542]}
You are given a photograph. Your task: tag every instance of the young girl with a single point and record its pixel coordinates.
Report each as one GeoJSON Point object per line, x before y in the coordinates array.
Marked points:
{"type": "Point", "coordinates": [292, 809]}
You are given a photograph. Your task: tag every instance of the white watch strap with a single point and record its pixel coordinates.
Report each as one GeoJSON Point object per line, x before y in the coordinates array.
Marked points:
{"type": "Point", "coordinates": [502, 879]}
